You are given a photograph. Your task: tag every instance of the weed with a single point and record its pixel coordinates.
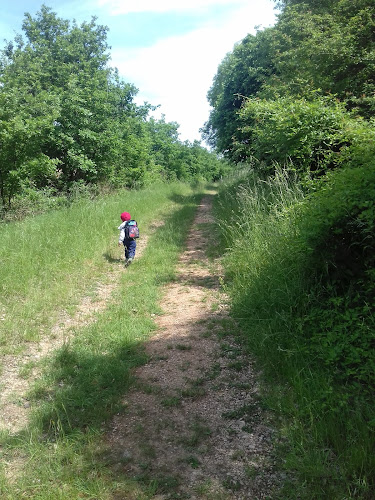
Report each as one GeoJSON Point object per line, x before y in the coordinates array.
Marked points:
{"type": "Point", "coordinates": [245, 411]}
{"type": "Point", "coordinates": [199, 432]}
{"type": "Point", "coordinates": [161, 357]}
{"type": "Point", "coordinates": [251, 471]}
{"type": "Point", "coordinates": [248, 428]}
{"type": "Point", "coordinates": [147, 450]}
{"type": "Point", "coordinates": [193, 392]}
{"type": "Point", "coordinates": [26, 369]}
{"type": "Point", "coordinates": [231, 431]}
{"type": "Point", "coordinates": [185, 365]}
{"type": "Point", "coordinates": [236, 365]}
{"type": "Point", "coordinates": [230, 351]}
{"type": "Point", "coordinates": [197, 382]}
{"type": "Point", "coordinates": [206, 335]}
{"type": "Point", "coordinates": [139, 428]}
{"type": "Point", "coordinates": [144, 466]}
{"type": "Point", "coordinates": [238, 455]}
{"type": "Point", "coordinates": [184, 347]}
{"type": "Point", "coordinates": [240, 385]}
{"type": "Point", "coordinates": [208, 491]}
{"type": "Point", "coordinates": [192, 461]}
{"type": "Point", "coordinates": [231, 484]}
{"type": "Point", "coordinates": [171, 401]}
{"type": "Point", "coordinates": [161, 483]}
{"type": "Point", "coordinates": [150, 389]}
{"type": "Point", "coordinates": [214, 372]}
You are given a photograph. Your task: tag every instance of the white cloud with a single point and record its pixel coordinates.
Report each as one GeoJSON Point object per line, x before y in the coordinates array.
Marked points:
{"type": "Point", "coordinates": [178, 71]}
{"type": "Point", "coordinates": [127, 6]}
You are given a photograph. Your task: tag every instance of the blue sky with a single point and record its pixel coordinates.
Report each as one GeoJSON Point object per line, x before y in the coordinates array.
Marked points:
{"type": "Point", "coordinates": [170, 49]}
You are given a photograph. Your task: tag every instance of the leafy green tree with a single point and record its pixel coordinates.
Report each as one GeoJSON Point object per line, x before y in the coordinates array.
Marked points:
{"type": "Point", "coordinates": [315, 48]}
{"type": "Point", "coordinates": [164, 147]}
{"type": "Point", "coordinates": [241, 74]}
{"type": "Point", "coordinates": [328, 46]}
{"type": "Point", "coordinates": [66, 64]}
{"type": "Point", "coordinates": [25, 122]}
{"type": "Point", "coordinates": [66, 117]}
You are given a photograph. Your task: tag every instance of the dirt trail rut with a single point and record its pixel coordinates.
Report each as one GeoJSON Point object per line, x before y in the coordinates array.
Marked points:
{"type": "Point", "coordinates": [193, 424]}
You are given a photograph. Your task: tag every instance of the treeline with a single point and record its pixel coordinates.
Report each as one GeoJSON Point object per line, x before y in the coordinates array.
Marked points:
{"type": "Point", "coordinates": [306, 84]}
{"type": "Point", "coordinates": [295, 103]}
{"type": "Point", "coordinates": [68, 121]}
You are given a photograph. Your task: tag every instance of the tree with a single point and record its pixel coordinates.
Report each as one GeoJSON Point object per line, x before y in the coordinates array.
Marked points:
{"type": "Point", "coordinates": [241, 74]}
{"type": "Point", "coordinates": [316, 48]}
{"type": "Point", "coordinates": [25, 122]}
{"type": "Point", "coordinates": [67, 117]}
{"type": "Point", "coordinates": [328, 46]}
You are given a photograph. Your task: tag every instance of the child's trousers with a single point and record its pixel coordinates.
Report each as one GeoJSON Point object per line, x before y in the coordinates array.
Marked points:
{"type": "Point", "coordinates": [130, 246]}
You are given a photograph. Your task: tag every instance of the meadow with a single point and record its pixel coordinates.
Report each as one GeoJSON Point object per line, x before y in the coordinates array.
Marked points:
{"type": "Point", "coordinates": [51, 261]}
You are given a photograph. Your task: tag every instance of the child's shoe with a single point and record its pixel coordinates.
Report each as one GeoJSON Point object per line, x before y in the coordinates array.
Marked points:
{"type": "Point", "coordinates": [128, 261]}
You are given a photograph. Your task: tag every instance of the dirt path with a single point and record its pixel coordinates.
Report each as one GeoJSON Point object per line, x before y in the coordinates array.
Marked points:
{"type": "Point", "coordinates": [18, 372]}
{"type": "Point", "coordinates": [193, 426]}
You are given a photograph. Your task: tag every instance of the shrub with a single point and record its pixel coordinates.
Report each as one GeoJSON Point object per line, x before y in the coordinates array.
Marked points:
{"type": "Point", "coordinates": [338, 222]}
{"type": "Point", "coordinates": [300, 275]}
{"type": "Point", "coordinates": [314, 135]}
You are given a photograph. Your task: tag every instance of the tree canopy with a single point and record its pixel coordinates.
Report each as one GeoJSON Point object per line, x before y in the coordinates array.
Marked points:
{"type": "Point", "coordinates": [66, 116]}
{"type": "Point", "coordinates": [316, 49]}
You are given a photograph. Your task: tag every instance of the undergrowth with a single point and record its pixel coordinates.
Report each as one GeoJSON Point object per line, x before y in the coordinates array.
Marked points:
{"type": "Point", "coordinates": [299, 271]}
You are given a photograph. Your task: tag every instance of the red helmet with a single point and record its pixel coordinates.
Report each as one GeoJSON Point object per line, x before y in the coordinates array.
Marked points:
{"type": "Point", "coordinates": [125, 216]}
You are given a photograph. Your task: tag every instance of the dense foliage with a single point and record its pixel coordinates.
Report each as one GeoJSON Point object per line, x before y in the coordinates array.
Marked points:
{"type": "Point", "coordinates": [316, 48]}
{"type": "Point", "coordinates": [291, 96]}
{"type": "Point", "coordinates": [67, 119]}
{"type": "Point", "coordinates": [300, 276]}
{"type": "Point", "coordinates": [297, 102]}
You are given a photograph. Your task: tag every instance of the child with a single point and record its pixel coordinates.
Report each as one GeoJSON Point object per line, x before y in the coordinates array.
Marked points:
{"type": "Point", "coordinates": [129, 244]}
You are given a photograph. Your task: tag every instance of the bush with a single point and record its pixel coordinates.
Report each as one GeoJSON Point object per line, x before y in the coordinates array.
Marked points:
{"type": "Point", "coordinates": [32, 201]}
{"type": "Point", "coordinates": [314, 135]}
{"type": "Point", "coordinates": [338, 222]}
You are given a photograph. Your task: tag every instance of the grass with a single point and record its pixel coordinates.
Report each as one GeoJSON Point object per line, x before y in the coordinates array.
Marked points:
{"type": "Point", "coordinates": [328, 443]}
{"type": "Point", "coordinates": [183, 347]}
{"type": "Point", "coordinates": [199, 431]}
{"type": "Point", "coordinates": [193, 392]}
{"type": "Point", "coordinates": [171, 401]}
{"type": "Point", "coordinates": [49, 260]}
{"type": "Point", "coordinates": [193, 461]}
{"type": "Point", "coordinates": [60, 454]}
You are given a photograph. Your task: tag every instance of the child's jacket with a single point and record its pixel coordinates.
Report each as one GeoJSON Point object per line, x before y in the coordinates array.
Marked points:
{"type": "Point", "coordinates": [122, 232]}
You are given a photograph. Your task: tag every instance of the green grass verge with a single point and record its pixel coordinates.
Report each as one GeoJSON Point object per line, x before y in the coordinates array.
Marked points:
{"type": "Point", "coordinates": [327, 452]}
{"type": "Point", "coordinates": [82, 385]}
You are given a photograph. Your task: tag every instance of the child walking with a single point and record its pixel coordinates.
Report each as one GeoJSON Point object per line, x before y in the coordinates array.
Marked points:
{"type": "Point", "coordinates": [129, 243]}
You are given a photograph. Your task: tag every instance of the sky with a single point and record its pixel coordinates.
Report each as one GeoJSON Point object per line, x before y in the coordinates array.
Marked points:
{"type": "Point", "coordinates": [169, 49]}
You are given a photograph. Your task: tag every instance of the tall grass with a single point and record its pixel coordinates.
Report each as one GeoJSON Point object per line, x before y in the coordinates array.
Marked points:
{"type": "Point", "coordinates": [61, 454]}
{"type": "Point", "coordinates": [271, 282]}
{"type": "Point", "coordinates": [264, 271]}
{"type": "Point", "coordinates": [48, 260]}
